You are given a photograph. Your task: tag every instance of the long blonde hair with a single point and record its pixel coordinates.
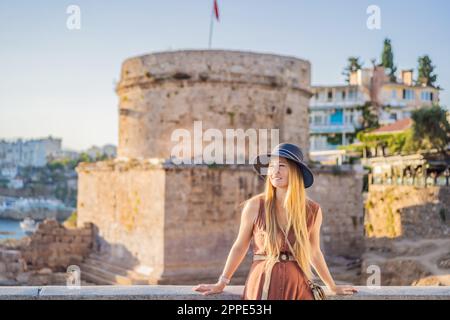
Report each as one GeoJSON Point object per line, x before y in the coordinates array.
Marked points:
{"type": "Point", "coordinates": [295, 204]}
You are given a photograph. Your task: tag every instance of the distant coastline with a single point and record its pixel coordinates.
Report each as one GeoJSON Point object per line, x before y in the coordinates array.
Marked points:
{"type": "Point", "coordinates": [59, 215]}
{"type": "Point", "coordinates": [10, 229]}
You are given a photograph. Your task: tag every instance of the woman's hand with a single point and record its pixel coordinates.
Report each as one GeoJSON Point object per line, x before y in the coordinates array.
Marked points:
{"type": "Point", "coordinates": [343, 290]}
{"type": "Point", "coordinates": [207, 289]}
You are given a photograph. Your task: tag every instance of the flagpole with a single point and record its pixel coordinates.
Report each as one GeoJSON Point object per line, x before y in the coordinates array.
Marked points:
{"type": "Point", "coordinates": [211, 27]}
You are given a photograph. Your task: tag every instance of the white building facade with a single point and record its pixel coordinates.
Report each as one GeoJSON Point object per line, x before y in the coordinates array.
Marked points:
{"type": "Point", "coordinates": [333, 116]}
{"type": "Point", "coordinates": [334, 113]}
{"type": "Point", "coordinates": [28, 152]}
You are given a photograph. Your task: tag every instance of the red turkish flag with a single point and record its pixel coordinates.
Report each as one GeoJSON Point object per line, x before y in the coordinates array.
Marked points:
{"type": "Point", "coordinates": [216, 10]}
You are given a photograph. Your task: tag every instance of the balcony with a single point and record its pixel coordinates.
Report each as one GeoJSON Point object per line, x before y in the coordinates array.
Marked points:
{"type": "Point", "coordinates": [172, 292]}
{"type": "Point", "coordinates": [330, 104]}
{"type": "Point", "coordinates": [396, 103]}
{"type": "Point", "coordinates": [332, 128]}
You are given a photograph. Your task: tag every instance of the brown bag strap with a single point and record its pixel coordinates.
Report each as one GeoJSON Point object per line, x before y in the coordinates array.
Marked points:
{"type": "Point", "coordinates": [318, 292]}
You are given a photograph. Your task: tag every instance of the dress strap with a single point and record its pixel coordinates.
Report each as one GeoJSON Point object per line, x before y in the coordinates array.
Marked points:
{"type": "Point", "coordinates": [260, 217]}
{"type": "Point", "coordinates": [312, 210]}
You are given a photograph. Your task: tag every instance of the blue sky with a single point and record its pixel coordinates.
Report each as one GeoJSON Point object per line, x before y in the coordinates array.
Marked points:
{"type": "Point", "coordinates": [61, 82]}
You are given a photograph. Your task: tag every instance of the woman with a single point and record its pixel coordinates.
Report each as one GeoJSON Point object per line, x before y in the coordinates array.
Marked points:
{"type": "Point", "coordinates": [280, 270]}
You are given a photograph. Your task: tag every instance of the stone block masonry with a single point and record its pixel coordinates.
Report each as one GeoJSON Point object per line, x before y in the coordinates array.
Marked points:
{"type": "Point", "coordinates": [176, 222]}
{"type": "Point", "coordinates": [339, 193]}
{"type": "Point", "coordinates": [11, 264]}
{"type": "Point", "coordinates": [408, 211]}
{"type": "Point", "coordinates": [165, 91]}
{"type": "Point", "coordinates": [56, 247]}
{"type": "Point", "coordinates": [407, 230]}
{"type": "Point", "coordinates": [45, 256]}
{"type": "Point", "coordinates": [179, 222]}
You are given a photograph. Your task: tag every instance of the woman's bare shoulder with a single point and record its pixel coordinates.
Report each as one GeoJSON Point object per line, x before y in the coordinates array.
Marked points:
{"type": "Point", "coordinates": [314, 211]}
{"type": "Point", "coordinates": [255, 200]}
{"type": "Point", "coordinates": [313, 205]}
{"type": "Point", "coordinates": [251, 207]}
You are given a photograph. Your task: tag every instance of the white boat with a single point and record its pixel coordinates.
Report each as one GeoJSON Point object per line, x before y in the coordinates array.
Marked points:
{"type": "Point", "coordinates": [29, 226]}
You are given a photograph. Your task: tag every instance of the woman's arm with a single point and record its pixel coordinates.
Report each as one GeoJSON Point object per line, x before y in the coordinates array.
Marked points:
{"type": "Point", "coordinates": [239, 248]}
{"type": "Point", "coordinates": [318, 260]}
{"type": "Point", "coordinates": [242, 242]}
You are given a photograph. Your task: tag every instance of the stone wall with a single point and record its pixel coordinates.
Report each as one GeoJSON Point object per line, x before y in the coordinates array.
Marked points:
{"type": "Point", "coordinates": [408, 211]}
{"type": "Point", "coordinates": [44, 257]}
{"type": "Point", "coordinates": [205, 217]}
{"type": "Point", "coordinates": [162, 92]}
{"type": "Point", "coordinates": [407, 230]}
{"type": "Point", "coordinates": [177, 223]}
{"type": "Point", "coordinates": [338, 190]}
{"type": "Point", "coordinates": [56, 247]}
{"type": "Point", "coordinates": [11, 264]}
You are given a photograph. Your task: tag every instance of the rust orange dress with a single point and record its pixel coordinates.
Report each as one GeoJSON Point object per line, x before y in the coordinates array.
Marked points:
{"type": "Point", "coordinates": [288, 281]}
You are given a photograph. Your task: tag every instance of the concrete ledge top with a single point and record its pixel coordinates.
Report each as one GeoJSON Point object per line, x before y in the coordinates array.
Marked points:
{"type": "Point", "coordinates": [170, 292]}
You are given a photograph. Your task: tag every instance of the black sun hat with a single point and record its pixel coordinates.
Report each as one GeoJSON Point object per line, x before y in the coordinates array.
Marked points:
{"type": "Point", "coordinates": [289, 151]}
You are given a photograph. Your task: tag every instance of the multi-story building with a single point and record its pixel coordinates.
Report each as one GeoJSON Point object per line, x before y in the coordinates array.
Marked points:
{"type": "Point", "coordinates": [28, 152]}
{"type": "Point", "coordinates": [334, 115]}
{"type": "Point", "coordinates": [398, 99]}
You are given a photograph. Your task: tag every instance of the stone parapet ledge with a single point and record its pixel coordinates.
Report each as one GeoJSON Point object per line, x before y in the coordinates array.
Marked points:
{"type": "Point", "coordinates": [220, 66]}
{"type": "Point", "coordinates": [172, 292]}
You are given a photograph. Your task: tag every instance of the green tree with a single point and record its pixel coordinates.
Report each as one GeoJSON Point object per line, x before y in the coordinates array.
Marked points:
{"type": "Point", "coordinates": [369, 117]}
{"type": "Point", "coordinates": [55, 165]}
{"type": "Point", "coordinates": [387, 59]}
{"type": "Point", "coordinates": [426, 68]}
{"type": "Point", "coordinates": [431, 128]}
{"type": "Point", "coordinates": [353, 64]}
{"type": "Point", "coordinates": [84, 157]}
{"type": "Point", "coordinates": [71, 222]}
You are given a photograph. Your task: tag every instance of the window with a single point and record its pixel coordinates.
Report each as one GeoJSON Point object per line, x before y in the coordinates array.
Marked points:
{"type": "Point", "coordinates": [317, 120]}
{"type": "Point", "coordinates": [337, 117]}
{"type": "Point", "coordinates": [408, 94]}
{"type": "Point", "coordinates": [423, 95]}
{"type": "Point", "coordinates": [352, 94]}
{"type": "Point", "coordinates": [343, 95]}
{"type": "Point", "coordinates": [330, 95]}
{"type": "Point", "coordinates": [426, 96]}
{"type": "Point", "coordinates": [349, 118]}
{"type": "Point", "coordinates": [394, 94]}
{"type": "Point", "coordinates": [393, 116]}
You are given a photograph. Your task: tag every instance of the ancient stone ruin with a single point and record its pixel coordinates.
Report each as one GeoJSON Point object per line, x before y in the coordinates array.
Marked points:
{"type": "Point", "coordinates": [44, 257]}
{"type": "Point", "coordinates": [157, 222]}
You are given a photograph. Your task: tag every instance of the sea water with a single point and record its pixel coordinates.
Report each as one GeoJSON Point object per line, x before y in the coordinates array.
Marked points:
{"type": "Point", "coordinates": [10, 229]}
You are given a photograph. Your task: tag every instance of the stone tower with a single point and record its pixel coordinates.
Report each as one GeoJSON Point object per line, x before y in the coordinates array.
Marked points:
{"type": "Point", "coordinates": [176, 223]}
